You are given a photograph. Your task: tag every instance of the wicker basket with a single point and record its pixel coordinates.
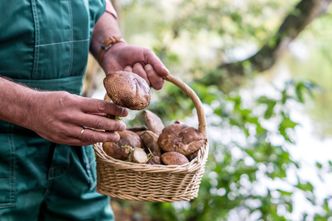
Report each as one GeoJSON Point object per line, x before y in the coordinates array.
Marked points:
{"type": "Point", "coordinates": [159, 183]}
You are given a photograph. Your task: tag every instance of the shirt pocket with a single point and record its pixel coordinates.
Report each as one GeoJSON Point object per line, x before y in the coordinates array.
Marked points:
{"type": "Point", "coordinates": [7, 171]}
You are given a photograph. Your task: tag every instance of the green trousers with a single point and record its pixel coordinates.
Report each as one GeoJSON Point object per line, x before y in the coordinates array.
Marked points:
{"type": "Point", "coordinates": [44, 44]}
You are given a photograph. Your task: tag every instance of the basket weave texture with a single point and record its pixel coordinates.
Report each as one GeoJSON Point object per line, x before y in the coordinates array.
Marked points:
{"type": "Point", "coordinates": [156, 183]}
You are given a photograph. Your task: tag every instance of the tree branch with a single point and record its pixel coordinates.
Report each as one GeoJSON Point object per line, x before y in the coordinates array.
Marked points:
{"type": "Point", "coordinates": [294, 23]}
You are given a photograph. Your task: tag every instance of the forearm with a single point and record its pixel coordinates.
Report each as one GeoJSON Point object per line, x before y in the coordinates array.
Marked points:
{"type": "Point", "coordinates": [16, 102]}
{"type": "Point", "coordinates": [107, 26]}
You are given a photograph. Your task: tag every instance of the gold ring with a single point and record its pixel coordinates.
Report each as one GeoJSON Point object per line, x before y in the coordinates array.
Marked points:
{"type": "Point", "coordinates": [82, 131]}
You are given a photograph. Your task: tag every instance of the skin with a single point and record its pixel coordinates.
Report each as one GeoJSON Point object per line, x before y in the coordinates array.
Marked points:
{"type": "Point", "coordinates": [59, 116]}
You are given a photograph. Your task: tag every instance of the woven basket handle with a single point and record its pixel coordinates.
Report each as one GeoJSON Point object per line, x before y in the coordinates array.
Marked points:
{"type": "Point", "coordinates": [197, 102]}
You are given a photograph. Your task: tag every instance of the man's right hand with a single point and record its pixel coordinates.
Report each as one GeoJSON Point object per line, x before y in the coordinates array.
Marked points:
{"type": "Point", "coordinates": [60, 118]}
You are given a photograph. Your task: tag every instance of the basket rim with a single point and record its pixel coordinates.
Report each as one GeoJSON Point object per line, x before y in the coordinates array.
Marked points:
{"type": "Point", "coordinates": [148, 198]}
{"type": "Point", "coordinates": [190, 167]}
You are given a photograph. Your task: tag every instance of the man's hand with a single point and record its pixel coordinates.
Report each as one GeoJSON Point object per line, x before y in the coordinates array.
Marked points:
{"type": "Point", "coordinates": [141, 61]}
{"type": "Point", "coordinates": [60, 117]}
{"type": "Point", "coordinates": [122, 56]}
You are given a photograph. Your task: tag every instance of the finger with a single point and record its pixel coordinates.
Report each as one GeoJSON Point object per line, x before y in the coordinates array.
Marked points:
{"type": "Point", "coordinates": [74, 142]}
{"type": "Point", "coordinates": [88, 136]}
{"type": "Point", "coordinates": [155, 80]}
{"type": "Point", "coordinates": [68, 140]}
{"type": "Point", "coordinates": [128, 68]}
{"type": "Point", "coordinates": [158, 66]}
{"type": "Point", "coordinates": [138, 69]}
{"type": "Point", "coordinates": [101, 123]}
{"type": "Point", "coordinates": [90, 105]}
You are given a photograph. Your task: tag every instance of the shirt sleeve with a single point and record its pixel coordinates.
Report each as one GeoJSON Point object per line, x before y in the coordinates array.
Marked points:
{"type": "Point", "coordinates": [96, 9]}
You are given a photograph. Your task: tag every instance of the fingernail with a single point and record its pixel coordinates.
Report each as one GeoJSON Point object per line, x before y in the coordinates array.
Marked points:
{"type": "Point", "coordinates": [122, 126]}
{"type": "Point", "coordinates": [124, 112]}
{"type": "Point", "coordinates": [116, 136]}
{"type": "Point", "coordinates": [148, 67]}
{"type": "Point", "coordinates": [166, 71]}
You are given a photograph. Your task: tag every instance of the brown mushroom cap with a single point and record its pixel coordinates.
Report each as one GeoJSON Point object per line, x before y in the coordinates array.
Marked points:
{"type": "Point", "coordinates": [116, 151]}
{"type": "Point", "coordinates": [122, 149]}
{"type": "Point", "coordinates": [181, 138]}
{"type": "Point", "coordinates": [150, 141]}
{"type": "Point", "coordinates": [129, 138]}
{"type": "Point", "coordinates": [174, 158]}
{"type": "Point", "coordinates": [127, 89]}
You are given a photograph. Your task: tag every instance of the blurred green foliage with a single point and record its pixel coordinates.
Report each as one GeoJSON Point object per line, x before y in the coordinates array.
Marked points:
{"type": "Point", "coordinates": [317, 67]}
{"type": "Point", "coordinates": [194, 36]}
{"type": "Point", "coordinates": [240, 168]}
{"type": "Point", "coordinates": [250, 174]}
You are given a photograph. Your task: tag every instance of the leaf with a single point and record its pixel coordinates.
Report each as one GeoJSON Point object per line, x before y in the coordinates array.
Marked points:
{"type": "Point", "coordinates": [305, 186]}
{"type": "Point", "coordinates": [286, 124]}
{"type": "Point", "coordinates": [285, 193]}
{"type": "Point", "coordinates": [270, 105]}
{"type": "Point", "coordinates": [318, 165]}
{"type": "Point", "coordinates": [304, 87]}
{"type": "Point", "coordinates": [299, 92]}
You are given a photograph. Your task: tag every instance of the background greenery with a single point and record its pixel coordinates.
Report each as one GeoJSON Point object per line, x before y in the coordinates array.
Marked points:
{"type": "Point", "coordinates": [252, 117]}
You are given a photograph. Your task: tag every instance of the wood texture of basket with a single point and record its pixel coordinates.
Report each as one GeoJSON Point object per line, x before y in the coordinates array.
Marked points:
{"type": "Point", "coordinates": [158, 183]}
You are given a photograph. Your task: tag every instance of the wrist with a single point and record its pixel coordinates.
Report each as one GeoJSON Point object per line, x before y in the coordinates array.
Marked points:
{"type": "Point", "coordinates": [107, 44]}
{"type": "Point", "coordinates": [29, 110]}
{"type": "Point", "coordinates": [111, 56]}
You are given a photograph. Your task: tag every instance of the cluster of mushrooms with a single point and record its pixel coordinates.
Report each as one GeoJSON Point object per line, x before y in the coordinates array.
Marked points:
{"type": "Point", "coordinates": [175, 144]}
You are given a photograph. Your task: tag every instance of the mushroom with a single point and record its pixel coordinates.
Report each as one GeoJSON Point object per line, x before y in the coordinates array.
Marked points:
{"type": "Point", "coordinates": [127, 89]}
{"type": "Point", "coordinates": [139, 156]}
{"type": "Point", "coordinates": [174, 158]}
{"type": "Point", "coordinates": [116, 151]}
{"type": "Point", "coordinates": [150, 141]}
{"type": "Point", "coordinates": [153, 122]}
{"type": "Point", "coordinates": [154, 160]}
{"type": "Point", "coordinates": [122, 149]}
{"type": "Point", "coordinates": [181, 138]}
